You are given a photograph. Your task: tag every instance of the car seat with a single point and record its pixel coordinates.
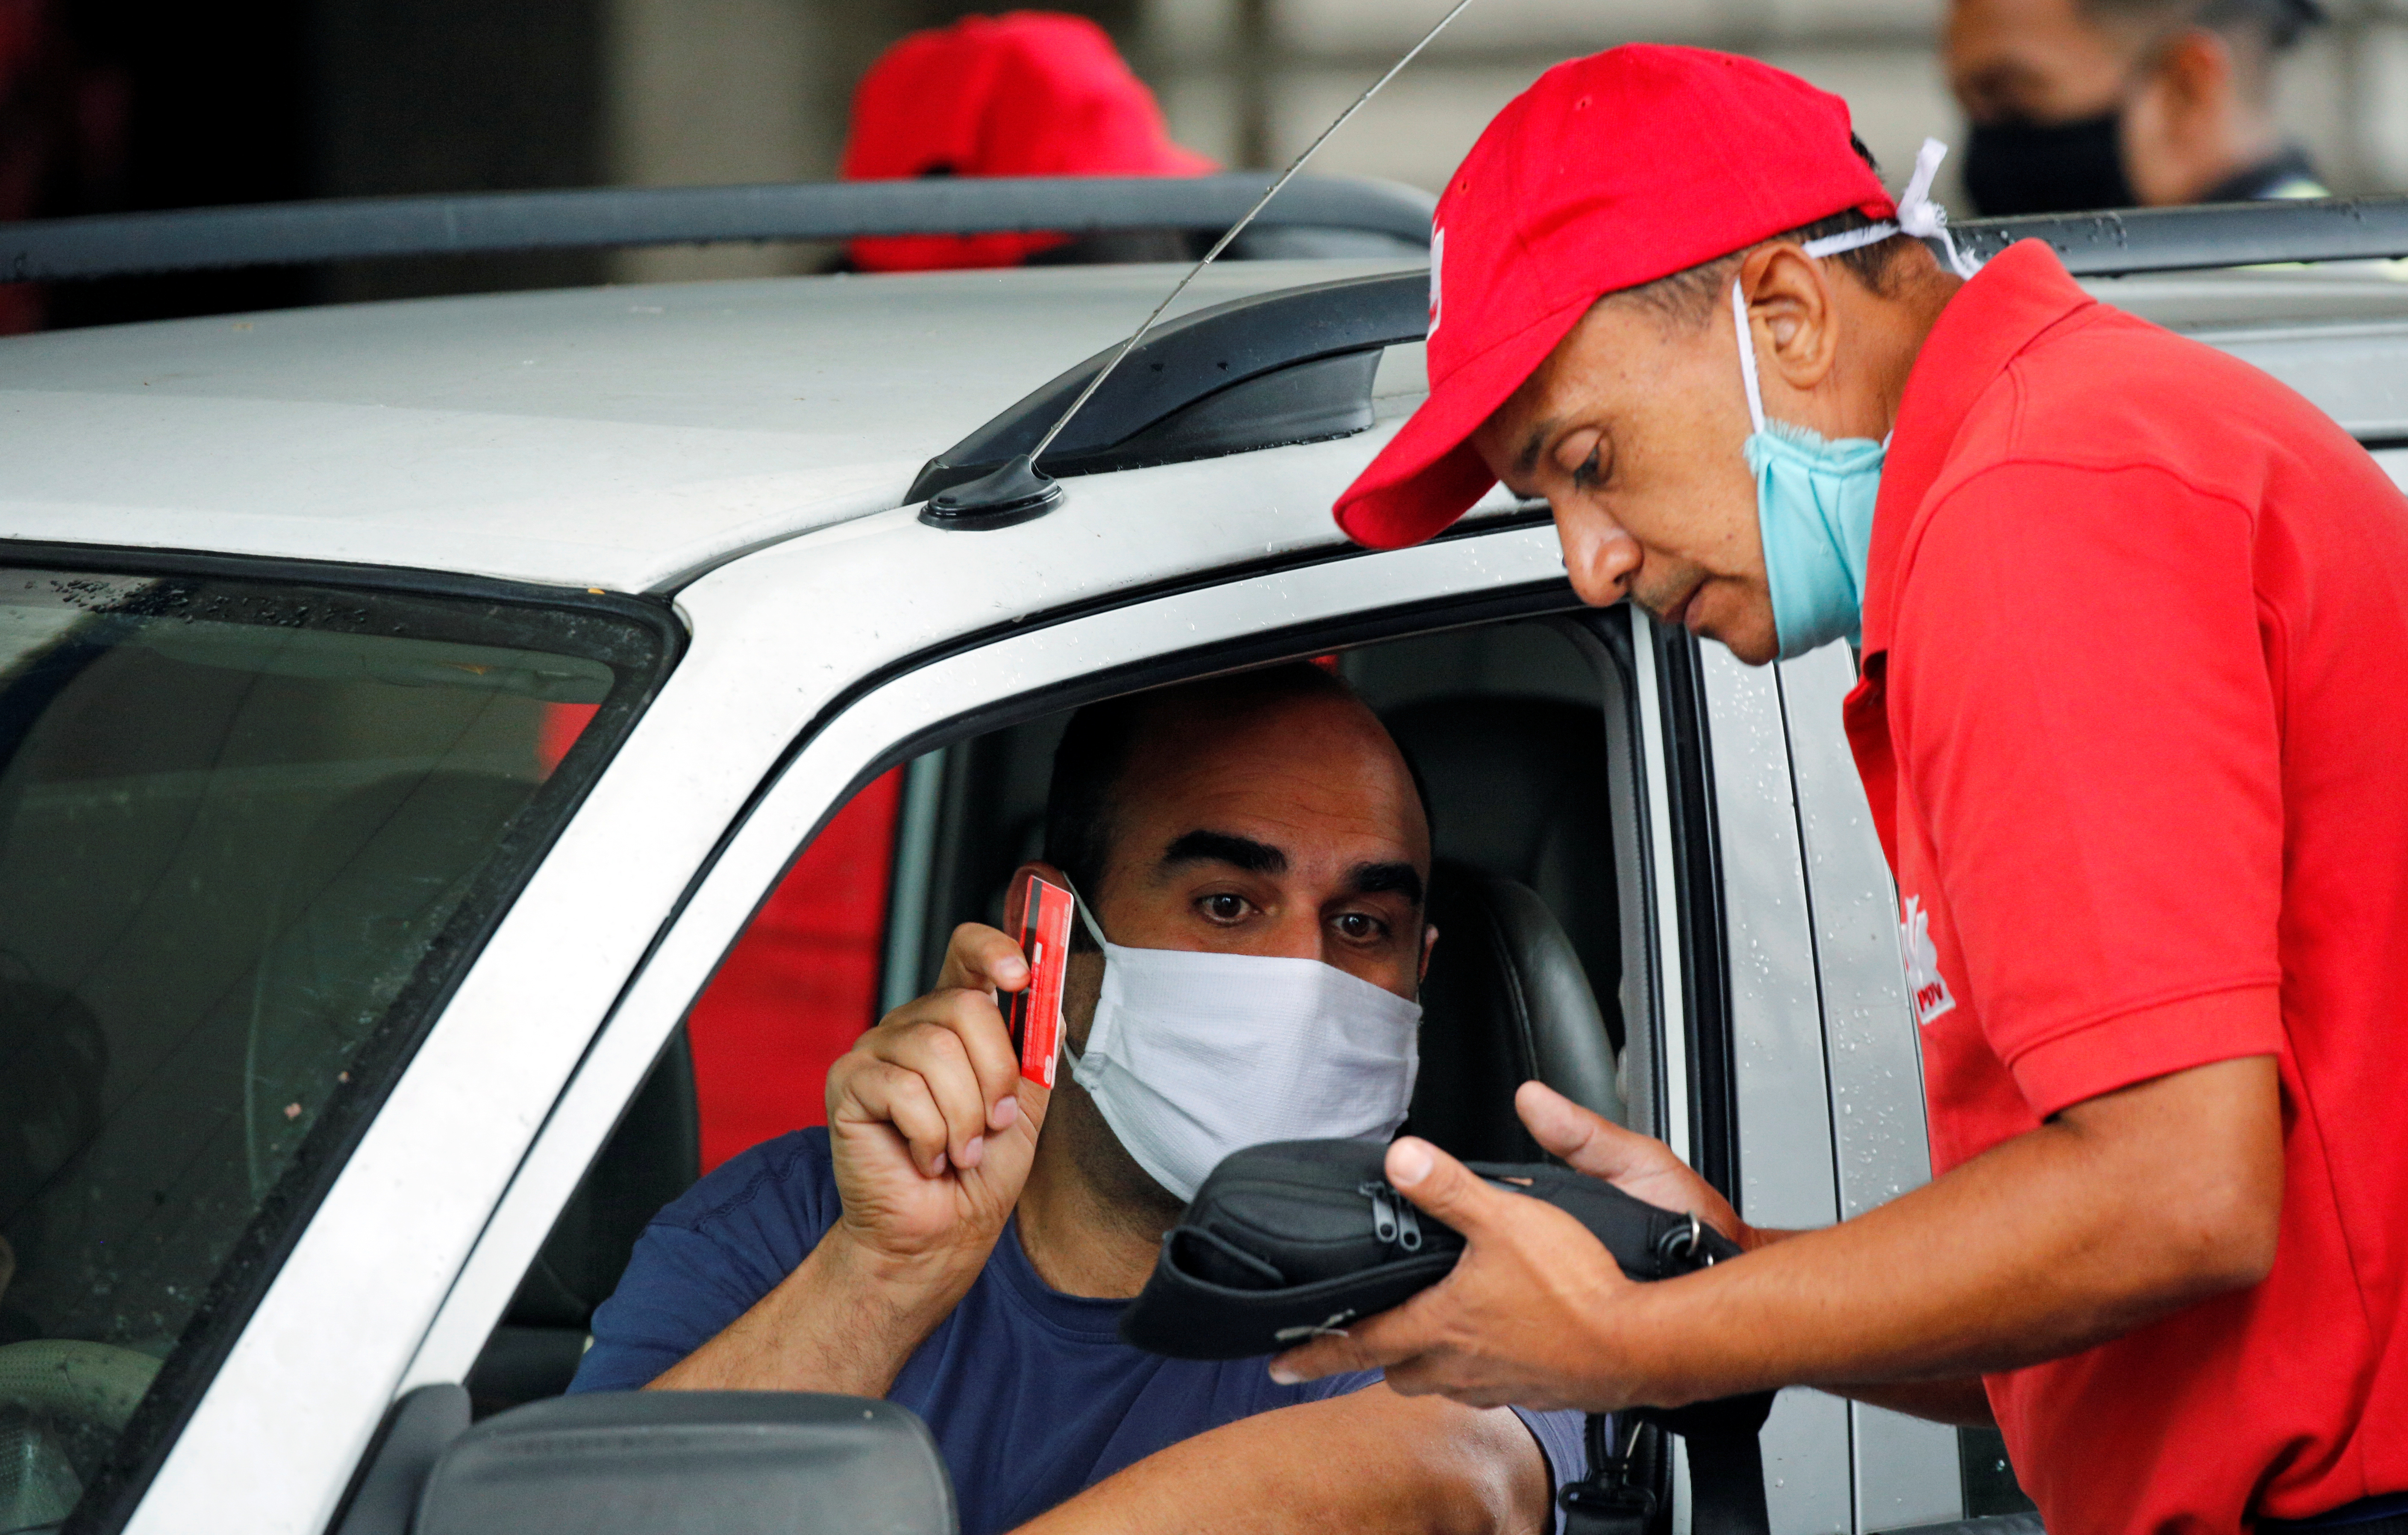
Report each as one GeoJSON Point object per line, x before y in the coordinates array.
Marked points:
{"type": "Point", "coordinates": [1523, 892]}
{"type": "Point", "coordinates": [1505, 1000]}
{"type": "Point", "coordinates": [1517, 789]}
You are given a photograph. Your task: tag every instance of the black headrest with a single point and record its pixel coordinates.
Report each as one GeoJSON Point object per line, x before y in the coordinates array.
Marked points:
{"type": "Point", "coordinates": [1517, 788]}
{"type": "Point", "coordinates": [1506, 999]}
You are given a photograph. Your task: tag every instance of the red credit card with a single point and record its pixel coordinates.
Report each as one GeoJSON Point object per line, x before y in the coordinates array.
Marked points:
{"type": "Point", "coordinates": [1037, 1008]}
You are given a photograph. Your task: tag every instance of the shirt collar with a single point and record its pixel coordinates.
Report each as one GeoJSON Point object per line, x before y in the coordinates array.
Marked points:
{"type": "Point", "coordinates": [1081, 1317]}
{"type": "Point", "coordinates": [2002, 309]}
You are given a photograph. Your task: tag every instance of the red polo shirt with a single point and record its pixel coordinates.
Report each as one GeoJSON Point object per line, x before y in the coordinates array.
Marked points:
{"type": "Point", "coordinates": [2133, 725]}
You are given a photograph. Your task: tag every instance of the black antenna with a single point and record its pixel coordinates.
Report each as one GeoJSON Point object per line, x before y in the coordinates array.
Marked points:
{"type": "Point", "coordinates": [1020, 490]}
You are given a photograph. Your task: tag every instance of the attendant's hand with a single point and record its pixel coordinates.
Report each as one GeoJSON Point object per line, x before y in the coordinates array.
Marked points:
{"type": "Point", "coordinates": [932, 1127]}
{"type": "Point", "coordinates": [1641, 1166]}
{"type": "Point", "coordinates": [1534, 1314]}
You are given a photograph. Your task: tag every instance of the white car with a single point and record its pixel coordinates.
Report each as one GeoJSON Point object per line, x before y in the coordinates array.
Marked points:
{"type": "Point", "coordinates": [404, 708]}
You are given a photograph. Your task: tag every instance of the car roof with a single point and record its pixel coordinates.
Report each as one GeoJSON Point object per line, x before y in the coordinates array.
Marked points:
{"type": "Point", "coordinates": [631, 437]}
{"type": "Point", "coordinates": [624, 437]}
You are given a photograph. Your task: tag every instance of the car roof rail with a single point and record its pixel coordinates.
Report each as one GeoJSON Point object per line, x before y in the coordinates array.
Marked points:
{"type": "Point", "coordinates": [2131, 241]}
{"type": "Point", "coordinates": [356, 228]}
{"type": "Point", "coordinates": [1264, 371]}
{"type": "Point", "coordinates": [1296, 365]}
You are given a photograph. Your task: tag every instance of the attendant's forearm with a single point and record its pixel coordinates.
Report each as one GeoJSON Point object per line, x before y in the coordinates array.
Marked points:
{"type": "Point", "coordinates": [839, 1322]}
{"type": "Point", "coordinates": [2036, 1249]}
{"type": "Point", "coordinates": [1372, 1461]}
{"type": "Point", "coordinates": [1959, 1400]}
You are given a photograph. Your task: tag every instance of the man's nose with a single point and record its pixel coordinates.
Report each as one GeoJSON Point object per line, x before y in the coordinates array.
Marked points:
{"type": "Point", "coordinates": [1297, 933]}
{"type": "Point", "coordinates": [1599, 556]}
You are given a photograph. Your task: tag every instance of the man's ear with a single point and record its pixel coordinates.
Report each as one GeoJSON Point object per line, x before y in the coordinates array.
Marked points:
{"type": "Point", "coordinates": [1791, 314]}
{"type": "Point", "coordinates": [1015, 897]}
{"type": "Point", "coordinates": [2196, 68]}
{"type": "Point", "coordinates": [2178, 129]}
{"type": "Point", "coordinates": [1429, 941]}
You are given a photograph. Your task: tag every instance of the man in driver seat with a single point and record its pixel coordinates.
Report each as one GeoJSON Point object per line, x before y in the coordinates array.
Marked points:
{"type": "Point", "coordinates": [1254, 852]}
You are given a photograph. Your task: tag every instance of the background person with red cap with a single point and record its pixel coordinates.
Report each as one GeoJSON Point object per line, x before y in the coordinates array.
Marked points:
{"type": "Point", "coordinates": [1030, 92]}
{"type": "Point", "coordinates": [2132, 619]}
{"type": "Point", "coordinates": [1034, 93]}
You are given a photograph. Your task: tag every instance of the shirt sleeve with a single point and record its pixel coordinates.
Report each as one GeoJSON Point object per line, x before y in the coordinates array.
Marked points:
{"type": "Point", "coordinates": [2089, 735]}
{"type": "Point", "coordinates": [707, 1258]}
{"type": "Point", "coordinates": [1563, 1440]}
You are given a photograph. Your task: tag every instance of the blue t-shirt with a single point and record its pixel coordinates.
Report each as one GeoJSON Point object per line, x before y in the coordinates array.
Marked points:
{"type": "Point", "coordinates": [1030, 1393]}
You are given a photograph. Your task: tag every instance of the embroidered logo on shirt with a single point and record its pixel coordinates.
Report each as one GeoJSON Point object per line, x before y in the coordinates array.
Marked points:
{"type": "Point", "coordinates": [1923, 980]}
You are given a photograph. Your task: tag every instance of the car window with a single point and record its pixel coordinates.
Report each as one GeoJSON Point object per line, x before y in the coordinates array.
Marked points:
{"type": "Point", "coordinates": [799, 986]}
{"type": "Point", "coordinates": [249, 830]}
{"type": "Point", "coordinates": [1516, 729]}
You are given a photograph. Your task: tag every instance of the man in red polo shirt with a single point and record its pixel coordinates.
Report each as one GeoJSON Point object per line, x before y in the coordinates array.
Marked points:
{"type": "Point", "coordinates": [2134, 632]}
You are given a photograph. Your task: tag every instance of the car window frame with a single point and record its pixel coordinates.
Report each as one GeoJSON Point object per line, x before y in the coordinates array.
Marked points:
{"type": "Point", "coordinates": [1371, 598]}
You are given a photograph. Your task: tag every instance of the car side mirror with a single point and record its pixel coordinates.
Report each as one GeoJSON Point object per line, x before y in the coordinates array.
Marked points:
{"type": "Point", "coordinates": [698, 1462]}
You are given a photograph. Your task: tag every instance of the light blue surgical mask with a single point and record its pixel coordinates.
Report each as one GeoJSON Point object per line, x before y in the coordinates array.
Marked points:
{"type": "Point", "coordinates": [1815, 497]}
{"type": "Point", "coordinates": [1814, 503]}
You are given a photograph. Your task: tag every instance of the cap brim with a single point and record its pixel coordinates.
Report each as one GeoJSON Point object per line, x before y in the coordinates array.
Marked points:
{"type": "Point", "coordinates": [1428, 474]}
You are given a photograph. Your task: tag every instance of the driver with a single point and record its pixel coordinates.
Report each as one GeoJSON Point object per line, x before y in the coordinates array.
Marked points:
{"type": "Point", "coordinates": [1254, 850]}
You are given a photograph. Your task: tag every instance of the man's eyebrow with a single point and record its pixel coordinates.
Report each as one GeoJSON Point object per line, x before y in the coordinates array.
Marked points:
{"type": "Point", "coordinates": [1530, 447]}
{"type": "Point", "coordinates": [1221, 847]}
{"type": "Point", "coordinates": [1386, 878]}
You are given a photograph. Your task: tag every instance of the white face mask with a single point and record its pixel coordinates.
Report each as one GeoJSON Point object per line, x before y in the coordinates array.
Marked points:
{"type": "Point", "coordinates": [1192, 1056]}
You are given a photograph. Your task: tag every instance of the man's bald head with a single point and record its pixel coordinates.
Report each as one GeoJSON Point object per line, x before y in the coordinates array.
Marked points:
{"type": "Point", "coordinates": [1218, 735]}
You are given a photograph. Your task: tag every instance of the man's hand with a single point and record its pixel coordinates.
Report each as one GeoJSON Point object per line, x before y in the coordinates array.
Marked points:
{"type": "Point", "coordinates": [1498, 1328]}
{"type": "Point", "coordinates": [1641, 1166]}
{"type": "Point", "coordinates": [932, 1129]}
{"type": "Point", "coordinates": [2117, 1212]}
{"type": "Point", "coordinates": [1516, 1321]}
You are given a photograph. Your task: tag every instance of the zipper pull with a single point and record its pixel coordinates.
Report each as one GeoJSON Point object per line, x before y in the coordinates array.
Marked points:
{"type": "Point", "coordinates": [1393, 1219]}
{"type": "Point", "coordinates": [1383, 1214]}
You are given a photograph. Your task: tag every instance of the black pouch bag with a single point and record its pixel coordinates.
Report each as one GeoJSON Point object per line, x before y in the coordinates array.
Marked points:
{"type": "Point", "coordinates": [1288, 1241]}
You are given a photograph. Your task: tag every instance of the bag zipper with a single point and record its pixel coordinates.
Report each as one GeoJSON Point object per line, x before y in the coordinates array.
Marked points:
{"type": "Point", "coordinates": [1393, 1220]}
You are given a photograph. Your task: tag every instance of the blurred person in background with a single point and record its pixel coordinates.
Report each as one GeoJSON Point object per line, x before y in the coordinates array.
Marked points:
{"type": "Point", "coordinates": [1031, 93]}
{"type": "Point", "coordinates": [2093, 103]}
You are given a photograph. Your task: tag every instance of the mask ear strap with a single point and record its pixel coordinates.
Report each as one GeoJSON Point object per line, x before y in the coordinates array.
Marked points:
{"type": "Point", "coordinates": [1747, 357]}
{"type": "Point", "coordinates": [1925, 220]}
{"type": "Point", "coordinates": [1918, 215]}
{"type": "Point", "coordinates": [1086, 917]}
{"type": "Point", "coordinates": [1086, 920]}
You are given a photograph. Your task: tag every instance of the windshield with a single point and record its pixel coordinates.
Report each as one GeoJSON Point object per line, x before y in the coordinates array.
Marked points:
{"type": "Point", "coordinates": [249, 832]}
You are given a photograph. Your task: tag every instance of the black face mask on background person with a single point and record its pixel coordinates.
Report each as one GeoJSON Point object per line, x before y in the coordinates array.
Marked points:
{"type": "Point", "coordinates": [2014, 168]}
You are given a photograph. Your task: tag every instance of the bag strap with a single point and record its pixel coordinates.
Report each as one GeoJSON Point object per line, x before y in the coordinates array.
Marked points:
{"type": "Point", "coordinates": [1727, 1485]}
{"type": "Point", "coordinates": [1726, 1472]}
{"type": "Point", "coordinates": [1608, 1500]}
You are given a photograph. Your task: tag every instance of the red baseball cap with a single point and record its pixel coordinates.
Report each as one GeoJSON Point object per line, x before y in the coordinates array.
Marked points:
{"type": "Point", "coordinates": [1032, 93]}
{"type": "Point", "coordinates": [1611, 171]}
